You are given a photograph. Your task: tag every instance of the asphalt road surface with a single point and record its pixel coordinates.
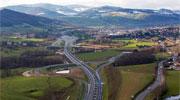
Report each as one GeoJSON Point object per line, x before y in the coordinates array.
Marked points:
{"type": "Point", "coordinates": [94, 91]}
{"type": "Point", "coordinates": [158, 82]}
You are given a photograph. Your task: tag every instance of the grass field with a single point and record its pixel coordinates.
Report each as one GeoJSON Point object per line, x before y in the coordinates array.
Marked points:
{"type": "Point", "coordinates": [23, 88]}
{"type": "Point", "coordinates": [139, 43]}
{"type": "Point", "coordinates": [32, 88]}
{"type": "Point", "coordinates": [94, 66]}
{"type": "Point", "coordinates": [93, 56]}
{"type": "Point", "coordinates": [172, 82]}
{"type": "Point", "coordinates": [153, 95]}
{"type": "Point", "coordinates": [125, 40]}
{"type": "Point", "coordinates": [77, 91]}
{"type": "Point", "coordinates": [160, 56]}
{"type": "Point", "coordinates": [18, 51]}
{"type": "Point", "coordinates": [133, 44]}
{"type": "Point", "coordinates": [13, 72]}
{"type": "Point", "coordinates": [172, 85]}
{"type": "Point", "coordinates": [105, 85]}
{"type": "Point", "coordinates": [16, 39]}
{"type": "Point", "coordinates": [125, 82]}
{"type": "Point", "coordinates": [26, 39]}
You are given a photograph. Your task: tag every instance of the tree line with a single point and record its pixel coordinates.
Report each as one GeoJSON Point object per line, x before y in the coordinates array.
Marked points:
{"type": "Point", "coordinates": [36, 58]}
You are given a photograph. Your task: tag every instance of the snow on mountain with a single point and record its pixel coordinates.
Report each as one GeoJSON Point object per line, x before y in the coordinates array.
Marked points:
{"type": "Point", "coordinates": [78, 8]}
{"type": "Point", "coordinates": [42, 13]}
{"type": "Point", "coordinates": [66, 13]}
{"type": "Point", "coordinates": [137, 12]}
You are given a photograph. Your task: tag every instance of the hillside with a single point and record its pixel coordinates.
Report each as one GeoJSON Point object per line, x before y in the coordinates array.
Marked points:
{"type": "Point", "coordinates": [12, 18]}
{"type": "Point", "coordinates": [12, 21]}
{"type": "Point", "coordinates": [49, 10]}
{"type": "Point", "coordinates": [38, 11]}
{"type": "Point", "coordinates": [125, 17]}
{"type": "Point", "coordinates": [103, 15]}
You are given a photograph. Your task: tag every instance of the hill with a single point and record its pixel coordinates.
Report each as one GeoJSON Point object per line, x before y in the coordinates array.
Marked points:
{"type": "Point", "coordinates": [103, 15]}
{"type": "Point", "coordinates": [12, 21]}
{"type": "Point", "coordinates": [38, 11]}
{"type": "Point", "coordinates": [12, 18]}
{"type": "Point", "coordinates": [125, 17]}
{"type": "Point", "coordinates": [49, 10]}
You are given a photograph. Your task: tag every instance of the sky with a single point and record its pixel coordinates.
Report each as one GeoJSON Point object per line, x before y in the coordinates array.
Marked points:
{"type": "Point", "coordinates": [147, 4]}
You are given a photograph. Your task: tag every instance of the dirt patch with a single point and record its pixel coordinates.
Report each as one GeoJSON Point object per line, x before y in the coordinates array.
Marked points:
{"type": "Point", "coordinates": [77, 72]}
{"type": "Point", "coordinates": [31, 73]}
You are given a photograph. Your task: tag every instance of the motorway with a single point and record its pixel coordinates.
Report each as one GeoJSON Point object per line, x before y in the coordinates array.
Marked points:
{"type": "Point", "coordinates": [160, 79]}
{"type": "Point", "coordinates": [94, 91]}
{"type": "Point", "coordinates": [110, 61]}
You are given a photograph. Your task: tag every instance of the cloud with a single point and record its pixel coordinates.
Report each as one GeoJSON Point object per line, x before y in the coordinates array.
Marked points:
{"type": "Point", "coordinates": [152, 4]}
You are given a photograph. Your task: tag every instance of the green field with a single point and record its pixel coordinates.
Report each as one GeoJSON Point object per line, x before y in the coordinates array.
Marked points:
{"type": "Point", "coordinates": [27, 39]}
{"type": "Point", "coordinates": [125, 40]}
{"type": "Point", "coordinates": [16, 39]}
{"type": "Point", "coordinates": [105, 85]}
{"type": "Point", "coordinates": [139, 43]}
{"type": "Point", "coordinates": [13, 72]}
{"type": "Point", "coordinates": [161, 56]}
{"type": "Point", "coordinates": [94, 66]}
{"type": "Point", "coordinates": [172, 85]}
{"type": "Point", "coordinates": [93, 56]}
{"type": "Point", "coordinates": [23, 29]}
{"type": "Point", "coordinates": [125, 82]}
{"type": "Point", "coordinates": [5, 52]}
{"type": "Point", "coordinates": [23, 88]}
{"type": "Point", "coordinates": [130, 44]}
{"type": "Point", "coordinates": [32, 88]}
{"type": "Point", "coordinates": [172, 82]}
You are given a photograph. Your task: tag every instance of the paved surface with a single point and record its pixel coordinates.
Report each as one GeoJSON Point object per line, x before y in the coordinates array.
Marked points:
{"type": "Point", "coordinates": [160, 79]}
{"type": "Point", "coordinates": [110, 61]}
{"type": "Point", "coordinates": [94, 91]}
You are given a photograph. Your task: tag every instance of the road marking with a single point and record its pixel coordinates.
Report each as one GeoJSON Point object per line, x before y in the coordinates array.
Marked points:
{"type": "Point", "coordinates": [68, 98]}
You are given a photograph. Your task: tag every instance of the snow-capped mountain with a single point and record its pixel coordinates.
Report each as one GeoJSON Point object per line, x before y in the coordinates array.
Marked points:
{"type": "Point", "coordinates": [104, 15]}
{"type": "Point", "coordinates": [68, 10]}
{"type": "Point", "coordinates": [105, 10]}
{"type": "Point", "coordinates": [78, 8]}
{"type": "Point", "coordinates": [38, 11]}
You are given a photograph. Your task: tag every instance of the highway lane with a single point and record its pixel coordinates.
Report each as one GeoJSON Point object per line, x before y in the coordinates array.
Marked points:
{"type": "Point", "coordinates": [88, 94]}
{"type": "Point", "coordinates": [95, 83]}
{"type": "Point", "coordinates": [110, 61]}
{"type": "Point", "coordinates": [104, 64]}
{"type": "Point", "coordinates": [160, 79]}
{"type": "Point", "coordinates": [95, 88]}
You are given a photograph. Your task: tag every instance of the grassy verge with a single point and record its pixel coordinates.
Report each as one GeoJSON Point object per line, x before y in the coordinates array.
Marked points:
{"type": "Point", "coordinates": [105, 85]}
{"type": "Point", "coordinates": [125, 82]}
{"type": "Point", "coordinates": [93, 66]}
{"type": "Point", "coordinates": [77, 91]}
{"type": "Point", "coordinates": [93, 56]}
{"type": "Point", "coordinates": [172, 87]}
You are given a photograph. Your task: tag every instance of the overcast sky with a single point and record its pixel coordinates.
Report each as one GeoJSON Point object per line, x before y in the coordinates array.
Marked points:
{"type": "Point", "coordinates": [152, 4]}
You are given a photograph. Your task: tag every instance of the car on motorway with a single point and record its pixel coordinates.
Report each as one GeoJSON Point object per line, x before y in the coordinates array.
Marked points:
{"type": "Point", "coordinates": [149, 88]}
